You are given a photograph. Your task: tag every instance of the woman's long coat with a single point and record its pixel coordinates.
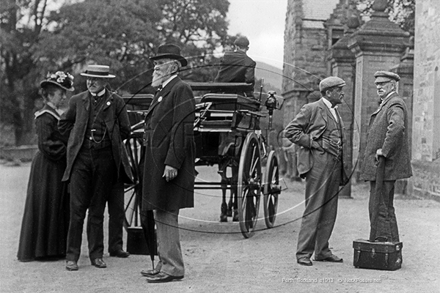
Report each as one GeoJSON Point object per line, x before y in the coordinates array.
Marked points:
{"type": "Point", "coordinates": [169, 140]}
{"type": "Point", "coordinates": [46, 213]}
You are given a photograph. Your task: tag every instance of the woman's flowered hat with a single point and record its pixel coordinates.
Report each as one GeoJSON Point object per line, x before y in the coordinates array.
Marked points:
{"type": "Point", "coordinates": [62, 79]}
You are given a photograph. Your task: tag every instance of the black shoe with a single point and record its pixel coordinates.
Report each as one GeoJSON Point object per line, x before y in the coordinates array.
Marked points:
{"type": "Point", "coordinates": [304, 261]}
{"type": "Point", "coordinates": [163, 278]}
{"type": "Point", "coordinates": [120, 253]}
{"type": "Point", "coordinates": [71, 265]}
{"type": "Point", "coordinates": [331, 258]}
{"type": "Point", "coordinates": [150, 273]}
{"type": "Point", "coordinates": [99, 263]}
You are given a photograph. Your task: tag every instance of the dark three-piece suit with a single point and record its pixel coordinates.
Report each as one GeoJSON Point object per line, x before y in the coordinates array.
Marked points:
{"type": "Point", "coordinates": [96, 161]}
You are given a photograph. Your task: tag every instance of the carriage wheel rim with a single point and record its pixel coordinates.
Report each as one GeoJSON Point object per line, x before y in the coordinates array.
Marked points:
{"type": "Point", "coordinates": [249, 179]}
{"type": "Point", "coordinates": [270, 198]}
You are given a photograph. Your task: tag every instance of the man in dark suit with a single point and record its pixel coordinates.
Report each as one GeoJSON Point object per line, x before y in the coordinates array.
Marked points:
{"type": "Point", "coordinates": [97, 121]}
{"type": "Point", "coordinates": [168, 177]}
{"type": "Point", "coordinates": [387, 139]}
{"type": "Point", "coordinates": [318, 131]}
{"type": "Point", "coordinates": [237, 66]}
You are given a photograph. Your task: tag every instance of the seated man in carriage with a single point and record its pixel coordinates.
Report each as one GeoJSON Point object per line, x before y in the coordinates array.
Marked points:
{"type": "Point", "coordinates": [237, 66]}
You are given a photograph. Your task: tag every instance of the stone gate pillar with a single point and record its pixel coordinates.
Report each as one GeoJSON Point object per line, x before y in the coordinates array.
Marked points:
{"type": "Point", "coordinates": [378, 45]}
{"type": "Point", "coordinates": [342, 63]}
{"type": "Point", "coordinates": [405, 69]}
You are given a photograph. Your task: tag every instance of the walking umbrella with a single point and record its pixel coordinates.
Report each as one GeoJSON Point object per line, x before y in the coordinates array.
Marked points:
{"type": "Point", "coordinates": [148, 226]}
{"type": "Point", "coordinates": [380, 173]}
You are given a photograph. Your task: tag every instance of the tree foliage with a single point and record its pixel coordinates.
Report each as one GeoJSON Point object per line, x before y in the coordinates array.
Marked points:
{"type": "Point", "coordinates": [199, 26]}
{"type": "Point", "coordinates": [21, 22]}
{"type": "Point", "coordinates": [119, 33]}
{"type": "Point", "coordinates": [400, 11]}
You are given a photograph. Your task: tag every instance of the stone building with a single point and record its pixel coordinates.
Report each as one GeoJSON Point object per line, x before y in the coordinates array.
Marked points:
{"type": "Point", "coordinates": [305, 46]}
{"type": "Point", "coordinates": [313, 27]}
{"type": "Point", "coordinates": [426, 106]}
{"type": "Point", "coordinates": [325, 38]}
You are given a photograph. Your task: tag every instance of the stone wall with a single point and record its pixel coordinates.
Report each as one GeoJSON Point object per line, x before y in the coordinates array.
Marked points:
{"type": "Point", "coordinates": [305, 45]}
{"type": "Point", "coordinates": [426, 106]}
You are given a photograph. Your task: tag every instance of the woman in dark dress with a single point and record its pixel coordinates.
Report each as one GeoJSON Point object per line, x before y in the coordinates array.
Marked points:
{"type": "Point", "coordinates": [46, 213]}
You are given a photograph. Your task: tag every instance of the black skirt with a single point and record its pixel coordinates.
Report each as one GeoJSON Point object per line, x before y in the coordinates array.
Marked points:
{"type": "Point", "coordinates": [46, 213]}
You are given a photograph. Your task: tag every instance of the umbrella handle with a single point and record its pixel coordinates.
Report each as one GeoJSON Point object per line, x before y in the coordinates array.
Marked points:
{"type": "Point", "coordinates": [380, 171]}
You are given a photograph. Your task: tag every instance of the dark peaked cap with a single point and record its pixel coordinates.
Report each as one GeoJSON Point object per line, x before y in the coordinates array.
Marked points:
{"type": "Point", "coordinates": [331, 81]}
{"type": "Point", "coordinates": [169, 51]}
{"type": "Point", "coordinates": [383, 76]}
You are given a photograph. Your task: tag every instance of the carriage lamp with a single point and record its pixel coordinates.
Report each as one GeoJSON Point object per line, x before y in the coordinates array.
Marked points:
{"type": "Point", "coordinates": [271, 102]}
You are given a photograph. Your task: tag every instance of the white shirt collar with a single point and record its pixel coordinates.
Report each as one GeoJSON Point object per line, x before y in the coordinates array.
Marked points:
{"type": "Point", "coordinates": [389, 94]}
{"type": "Point", "coordinates": [168, 80]}
{"type": "Point", "coordinates": [59, 111]}
{"type": "Point", "coordinates": [100, 94]}
{"type": "Point", "coordinates": [51, 105]}
{"type": "Point", "coordinates": [328, 104]}
{"type": "Point", "coordinates": [332, 109]}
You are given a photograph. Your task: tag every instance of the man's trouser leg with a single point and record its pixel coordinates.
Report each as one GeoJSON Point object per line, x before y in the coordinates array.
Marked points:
{"type": "Point", "coordinates": [322, 185]}
{"type": "Point", "coordinates": [80, 195]}
{"type": "Point", "coordinates": [168, 242]}
{"type": "Point", "coordinates": [115, 205]}
{"type": "Point", "coordinates": [104, 176]}
{"type": "Point", "coordinates": [383, 223]}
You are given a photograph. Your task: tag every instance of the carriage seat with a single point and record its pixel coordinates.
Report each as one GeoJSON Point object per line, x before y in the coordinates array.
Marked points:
{"type": "Point", "coordinates": [232, 102]}
{"type": "Point", "coordinates": [227, 112]}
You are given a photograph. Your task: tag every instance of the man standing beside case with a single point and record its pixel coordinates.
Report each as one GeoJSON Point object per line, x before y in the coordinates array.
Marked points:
{"type": "Point", "coordinates": [96, 159]}
{"type": "Point", "coordinates": [318, 131]}
{"type": "Point", "coordinates": [387, 141]}
{"type": "Point", "coordinates": [168, 177]}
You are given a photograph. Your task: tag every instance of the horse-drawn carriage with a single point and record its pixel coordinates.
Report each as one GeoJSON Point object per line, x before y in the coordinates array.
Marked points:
{"type": "Point", "coordinates": [227, 133]}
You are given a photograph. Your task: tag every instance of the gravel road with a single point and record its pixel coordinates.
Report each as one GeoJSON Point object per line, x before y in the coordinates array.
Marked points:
{"type": "Point", "coordinates": [219, 259]}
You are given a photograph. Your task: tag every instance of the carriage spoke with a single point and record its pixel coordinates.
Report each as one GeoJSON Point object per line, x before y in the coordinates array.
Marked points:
{"type": "Point", "coordinates": [271, 190]}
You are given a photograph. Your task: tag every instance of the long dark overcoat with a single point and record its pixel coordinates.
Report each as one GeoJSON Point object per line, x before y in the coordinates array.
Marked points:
{"type": "Point", "coordinates": [388, 130]}
{"type": "Point", "coordinates": [169, 140]}
{"type": "Point", "coordinates": [236, 66]}
{"type": "Point", "coordinates": [75, 120]}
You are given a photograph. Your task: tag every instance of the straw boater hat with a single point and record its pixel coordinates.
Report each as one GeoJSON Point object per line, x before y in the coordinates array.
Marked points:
{"type": "Point", "coordinates": [99, 71]}
{"type": "Point", "coordinates": [62, 79]}
{"type": "Point", "coordinates": [169, 51]}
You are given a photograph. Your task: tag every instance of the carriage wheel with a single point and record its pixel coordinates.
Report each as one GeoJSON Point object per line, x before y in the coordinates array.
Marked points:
{"type": "Point", "coordinates": [271, 190]}
{"type": "Point", "coordinates": [249, 185]}
{"type": "Point", "coordinates": [133, 192]}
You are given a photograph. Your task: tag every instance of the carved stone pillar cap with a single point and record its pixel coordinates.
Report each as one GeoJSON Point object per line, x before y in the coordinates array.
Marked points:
{"type": "Point", "coordinates": [380, 5]}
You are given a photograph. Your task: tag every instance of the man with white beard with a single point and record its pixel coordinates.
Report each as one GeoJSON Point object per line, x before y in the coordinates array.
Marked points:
{"type": "Point", "coordinates": [168, 177]}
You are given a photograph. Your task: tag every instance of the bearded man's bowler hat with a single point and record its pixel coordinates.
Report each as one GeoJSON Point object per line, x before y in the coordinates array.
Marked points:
{"type": "Point", "coordinates": [169, 51]}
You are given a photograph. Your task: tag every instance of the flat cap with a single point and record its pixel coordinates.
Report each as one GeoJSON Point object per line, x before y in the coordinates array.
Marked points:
{"type": "Point", "coordinates": [383, 76]}
{"type": "Point", "coordinates": [329, 82]}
